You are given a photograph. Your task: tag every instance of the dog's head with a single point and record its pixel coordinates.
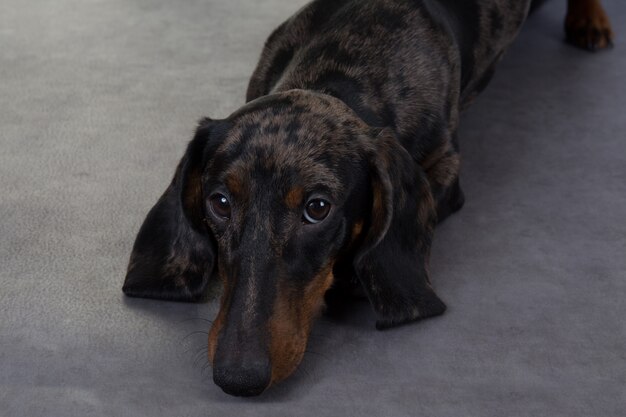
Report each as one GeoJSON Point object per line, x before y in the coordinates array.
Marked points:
{"type": "Point", "coordinates": [272, 200]}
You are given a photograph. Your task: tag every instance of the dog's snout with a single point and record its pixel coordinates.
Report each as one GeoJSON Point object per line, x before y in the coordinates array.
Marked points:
{"type": "Point", "coordinates": [243, 382]}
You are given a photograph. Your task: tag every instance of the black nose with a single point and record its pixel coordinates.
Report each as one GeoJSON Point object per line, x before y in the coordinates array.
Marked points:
{"type": "Point", "coordinates": [242, 382]}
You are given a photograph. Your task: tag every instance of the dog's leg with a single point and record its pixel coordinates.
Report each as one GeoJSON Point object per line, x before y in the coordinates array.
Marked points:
{"type": "Point", "coordinates": [442, 170]}
{"type": "Point", "coordinates": [587, 25]}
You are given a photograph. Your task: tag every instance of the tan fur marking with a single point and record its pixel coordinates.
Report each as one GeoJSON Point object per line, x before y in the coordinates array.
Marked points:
{"type": "Point", "coordinates": [293, 199]}
{"type": "Point", "coordinates": [291, 323]}
{"type": "Point", "coordinates": [356, 230]}
{"type": "Point", "coordinates": [587, 25]}
{"type": "Point", "coordinates": [234, 184]}
{"type": "Point", "coordinates": [218, 323]}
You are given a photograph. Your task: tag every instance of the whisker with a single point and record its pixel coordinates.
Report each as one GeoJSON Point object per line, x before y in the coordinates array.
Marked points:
{"type": "Point", "coordinates": [190, 344]}
{"type": "Point", "coordinates": [197, 318]}
{"type": "Point", "coordinates": [200, 354]}
{"type": "Point", "coordinates": [318, 354]}
{"type": "Point", "coordinates": [204, 369]}
{"type": "Point", "coordinates": [195, 332]}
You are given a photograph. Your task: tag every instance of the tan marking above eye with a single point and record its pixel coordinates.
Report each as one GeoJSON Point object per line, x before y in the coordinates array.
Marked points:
{"type": "Point", "coordinates": [234, 184]}
{"type": "Point", "coordinates": [294, 197]}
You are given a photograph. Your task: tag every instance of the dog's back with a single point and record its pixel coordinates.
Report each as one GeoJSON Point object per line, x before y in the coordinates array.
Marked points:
{"type": "Point", "coordinates": [404, 64]}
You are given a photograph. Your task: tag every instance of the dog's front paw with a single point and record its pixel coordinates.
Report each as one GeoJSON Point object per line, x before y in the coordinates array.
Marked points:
{"type": "Point", "coordinates": [587, 26]}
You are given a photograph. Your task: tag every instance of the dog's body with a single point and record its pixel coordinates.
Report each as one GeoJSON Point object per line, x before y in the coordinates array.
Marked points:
{"type": "Point", "coordinates": [334, 174]}
{"type": "Point", "coordinates": [438, 63]}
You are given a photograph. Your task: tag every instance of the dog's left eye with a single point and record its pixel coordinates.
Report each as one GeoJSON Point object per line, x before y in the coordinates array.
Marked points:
{"type": "Point", "coordinates": [220, 205]}
{"type": "Point", "coordinates": [316, 210]}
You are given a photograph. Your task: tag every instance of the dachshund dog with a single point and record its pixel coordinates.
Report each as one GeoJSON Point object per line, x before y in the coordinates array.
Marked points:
{"type": "Point", "coordinates": [332, 177]}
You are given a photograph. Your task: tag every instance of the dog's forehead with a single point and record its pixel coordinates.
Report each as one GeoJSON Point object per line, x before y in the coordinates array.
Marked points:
{"type": "Point", "coordinates": [291, 142]}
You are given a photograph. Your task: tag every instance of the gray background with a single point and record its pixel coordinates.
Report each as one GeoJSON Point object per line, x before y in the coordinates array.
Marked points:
{"type": "Point", "coordinates": [97, 101]}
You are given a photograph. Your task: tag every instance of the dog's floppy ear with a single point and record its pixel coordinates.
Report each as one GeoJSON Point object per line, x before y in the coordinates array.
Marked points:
{"type": "Point", "coordinates": [392, 263]}
{"type": "Point", "coordinates": [174, 253]}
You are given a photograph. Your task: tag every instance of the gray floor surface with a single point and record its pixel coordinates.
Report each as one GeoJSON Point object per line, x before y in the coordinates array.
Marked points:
{"type": "Point", "coordinates": [97, 101]}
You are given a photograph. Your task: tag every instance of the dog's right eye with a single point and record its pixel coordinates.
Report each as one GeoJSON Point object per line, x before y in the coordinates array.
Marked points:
{"type": "Point", "coordinates": [220, 206]}
{"type": "Point", "coordinates": [316, 210]}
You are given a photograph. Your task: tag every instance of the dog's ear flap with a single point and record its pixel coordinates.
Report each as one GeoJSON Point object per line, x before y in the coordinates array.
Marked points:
{"type": "Point", "coordinates": [174, 253]}
{"type": "Point", "coordinates": [392, 263]}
